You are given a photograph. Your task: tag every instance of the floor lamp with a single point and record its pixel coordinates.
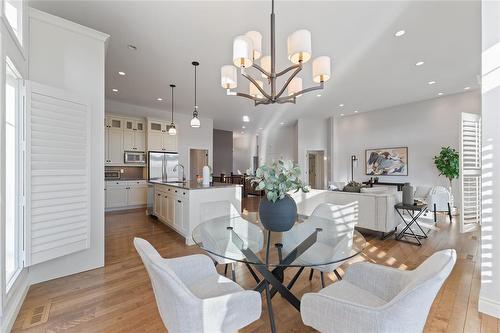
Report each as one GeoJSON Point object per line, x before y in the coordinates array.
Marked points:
{"type": "Point", "coordinates": [354, 164]}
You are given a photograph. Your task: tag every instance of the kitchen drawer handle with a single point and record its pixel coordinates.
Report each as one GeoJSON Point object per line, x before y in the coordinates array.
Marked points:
{"type": "Point", "coordinates": [178, 201]}
{"type": "Point", "coordinates": [166, 197]}
{"type": "Point", "coordinates": [159, 194]}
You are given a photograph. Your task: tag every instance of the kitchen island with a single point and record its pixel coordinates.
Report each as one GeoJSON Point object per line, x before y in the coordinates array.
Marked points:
{"type": "Point", "coordinates": [182, 205]}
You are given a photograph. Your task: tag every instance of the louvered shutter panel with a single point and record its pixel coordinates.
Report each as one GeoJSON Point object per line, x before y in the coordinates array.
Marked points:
{"type": "Point", "coordinates": [470, 171]}
{"type": "Point", "coordinates": [58, 131]}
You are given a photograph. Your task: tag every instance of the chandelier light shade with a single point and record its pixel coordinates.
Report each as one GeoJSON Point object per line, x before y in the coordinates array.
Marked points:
{"type": "Point", "coordinates": [299, 46]}
{"type": "Point", "coordinates": [171, 128]}
{"type": "Point", "coordinates": [243, 52]}
{"type": "Point", "coordinates": [254, 91]}
{"type": "Point", "coordinates": [229, 77]}
{"type": "Point", "coordinates": [265, 63]}
{"type": "Point", "coordinates": [294, 86]}
{"type": "Point", "coordinates": [321, 69]}
{"type": "Point", "coordinates": [195, 122]}
{"type": "Point", "coordinates": [248, 48]}
{"type": "Point", "coordinates": [256, 38]}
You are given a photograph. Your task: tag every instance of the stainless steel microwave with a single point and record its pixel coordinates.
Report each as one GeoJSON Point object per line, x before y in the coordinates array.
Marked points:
{"type": "Point", "coordinates": [134, 157]}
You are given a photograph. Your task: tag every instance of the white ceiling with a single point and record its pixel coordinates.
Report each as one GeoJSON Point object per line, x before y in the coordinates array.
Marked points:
{"type": "Point", "coordinates": [371, 68]}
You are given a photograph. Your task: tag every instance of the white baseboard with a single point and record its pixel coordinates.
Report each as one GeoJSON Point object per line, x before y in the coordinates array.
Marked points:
{"type": "Point", "coordinates": [489, 307]}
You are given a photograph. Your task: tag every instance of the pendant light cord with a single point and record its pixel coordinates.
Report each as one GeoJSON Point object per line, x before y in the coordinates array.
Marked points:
{"type": "Point", "coordinates": [272, 6]}
{"type": "Point", "coordinates": [195, 105]}
{"type": "Point", "coordinates": [172, 86]}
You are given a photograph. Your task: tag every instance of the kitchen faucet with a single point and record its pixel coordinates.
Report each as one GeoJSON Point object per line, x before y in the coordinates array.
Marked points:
{"type": "Point", "coordinates": [183, 175]}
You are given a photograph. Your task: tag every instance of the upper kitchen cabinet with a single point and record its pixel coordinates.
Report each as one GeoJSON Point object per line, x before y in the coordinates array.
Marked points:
{"type": "Point", "coordinates": [158, 137]}
{"type": "Point", "coordinates": [123, 134]}
{"type": "Point", "coordinates": [134, 135]}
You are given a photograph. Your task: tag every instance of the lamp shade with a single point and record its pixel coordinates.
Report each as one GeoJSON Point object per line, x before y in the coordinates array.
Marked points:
{"type": "Point", "coordinates": [228, 77]}
{"type": "Point", "coordinates": [195, 122]}
{"type": "Point", "coordinates": [242, 51]}
{"type": "Point", "coordinates": [256, 38]}
{"type": "Point", "coordinates": [254, 91]}
{"type": "Point", "coordinates": [265, 63]}
{"type": "Point", "coordinates": [172, 130]}
{"type": "Point", "coordinates": [299, 46]}
{"type": "Point", "coordinates": [294, 86]}
{"type": "Point", "coordinates": [321, 69]}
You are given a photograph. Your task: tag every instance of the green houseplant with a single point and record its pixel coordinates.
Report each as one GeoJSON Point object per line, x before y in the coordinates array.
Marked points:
{"type": "Point", "coordinates": [448, 165]}
{"type": "Point", "coordinates": [277, 210]}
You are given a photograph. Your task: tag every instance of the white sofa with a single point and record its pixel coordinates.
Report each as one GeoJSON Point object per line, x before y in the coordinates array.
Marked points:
{"type": "Point", "coordinates": [375, 206]}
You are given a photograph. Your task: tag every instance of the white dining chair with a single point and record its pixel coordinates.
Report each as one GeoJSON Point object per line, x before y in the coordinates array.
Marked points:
{"type": "Point", "coordinates": [192, 297]}
{"type": "Point", "coordinates": [379, 299]}
{"type": "Point", "coordinates": [218, 244]}
{"type": "Point", "coordinates": [341, 220]}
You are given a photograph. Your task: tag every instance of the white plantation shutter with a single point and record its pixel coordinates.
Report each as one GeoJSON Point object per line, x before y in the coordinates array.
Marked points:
{"type": "Point", "coordinates": [470, 171]}
{"type": "Point", "coordinates": [58, 174]}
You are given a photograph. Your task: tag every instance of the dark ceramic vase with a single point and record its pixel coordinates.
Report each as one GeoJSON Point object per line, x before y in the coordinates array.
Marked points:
{"type": "Point", "coordinates": [278, 216]}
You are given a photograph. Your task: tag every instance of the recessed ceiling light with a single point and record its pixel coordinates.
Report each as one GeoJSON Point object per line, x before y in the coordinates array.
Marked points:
{"type": "Point", "coordinates": [431, 82]}
{"type": "Point", "coordinates": [399, 33]}
{"type": "Point", "coordinates": [466, 88]}
{"type": "Point", "coordinates": [242, 132]}
{"type": "Point", "coordinates": [243, 127]}
{"type": "Point", "coordinates": [341, 105]}
{"type": "Point", "coordinates": [341, 114]}
{"type": "Point", "coordinates": [261, 128]}
{"type": "Point", "coordinates": [246, 119]}
{"type": "Point", "coordinates": [318, 95]}
{"type": "Point", "coordinates": [132, 47]}
{"type": "Point", "coordinates": [115, 90]}
{"type": "Point", "coordinates": [355, 111]}
{"type": "Point", "coordinates": [282, 123]}
{"type": "Point", "coordinates": [121, 73]}
{"type": "Point", "coordinates": [419, 63]}
{"type": "Point", "coordinates": [440, 94]}
{"type": "Point", "coordinates": [159, 99]}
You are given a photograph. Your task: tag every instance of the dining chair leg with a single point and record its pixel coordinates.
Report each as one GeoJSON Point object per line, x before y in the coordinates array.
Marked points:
{"type": "Point", "coordinates": [233, 272]}
{"type": "Point", "coordinates": [449, 212]}
{"type": "Point", "coordinates": [225, 270]}
{"type": "Point", "coordinates": [311, 274]}
{"type": "Point", "coordinates": [337, 274]}
{"type": "Point", "coordinates": [322, 279]}
{"type": "Point", "coordinates": [435, 216]}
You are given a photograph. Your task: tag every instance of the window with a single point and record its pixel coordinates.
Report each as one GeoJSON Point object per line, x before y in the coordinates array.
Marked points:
{"type": "Point", "coordinates": [14, 173]}
{"type": "Point", "coordinates": [13, 10]}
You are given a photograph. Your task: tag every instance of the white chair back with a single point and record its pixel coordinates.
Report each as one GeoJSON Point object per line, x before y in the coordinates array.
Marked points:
{"type": "Point", "coordinates": [439, 196]}
{"type": "Point", "coordinates": [172, 295]}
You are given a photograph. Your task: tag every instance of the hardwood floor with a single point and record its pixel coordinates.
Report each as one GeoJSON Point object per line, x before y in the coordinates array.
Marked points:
{"type": "Point", "coordinates": [119, 298]}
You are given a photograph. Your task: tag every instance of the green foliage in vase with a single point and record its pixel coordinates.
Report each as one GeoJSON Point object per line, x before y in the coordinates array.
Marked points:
{"type": "Point", "coordinates": [278, 179]}
{"type": "Point", "coordinates": [448, 163]}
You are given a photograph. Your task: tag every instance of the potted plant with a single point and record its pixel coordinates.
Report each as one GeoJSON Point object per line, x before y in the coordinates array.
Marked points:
{"type": "Point", "coordinates": [448, 164]}
{"type": "Point", "coordinates": [277, 210]}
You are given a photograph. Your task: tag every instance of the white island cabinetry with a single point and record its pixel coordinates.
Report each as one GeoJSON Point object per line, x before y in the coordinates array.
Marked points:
{"type": "Point", "coordinates": [181, 206]}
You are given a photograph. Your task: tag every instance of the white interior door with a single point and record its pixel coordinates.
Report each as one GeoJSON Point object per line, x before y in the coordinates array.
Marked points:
{"type": "Point", "coordinates": [470, 171]}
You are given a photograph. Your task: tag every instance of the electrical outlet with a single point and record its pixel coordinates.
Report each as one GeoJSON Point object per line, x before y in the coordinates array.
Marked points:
{"type": "Point", "coordinates": [122, 170]}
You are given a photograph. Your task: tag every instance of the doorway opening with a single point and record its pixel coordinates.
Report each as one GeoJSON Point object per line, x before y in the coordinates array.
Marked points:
{"type": "Point", "coordinates": [316, 165]}
{"type": "Point", "coordinates": [198, 158]}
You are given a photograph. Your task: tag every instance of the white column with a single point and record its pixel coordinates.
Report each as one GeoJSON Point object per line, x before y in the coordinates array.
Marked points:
{"type": "Point", "coordinates": [489, 298]}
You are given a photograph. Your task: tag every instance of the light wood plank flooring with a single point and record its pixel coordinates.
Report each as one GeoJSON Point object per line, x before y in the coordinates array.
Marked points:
{"type": "Point", "coordinates": [119, 298]}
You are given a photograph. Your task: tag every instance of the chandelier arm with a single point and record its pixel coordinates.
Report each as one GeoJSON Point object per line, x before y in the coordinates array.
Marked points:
{"type": "Point", "coordinates": [251, 79]}
{"type": "Point", "coordinates": [288, 81]}
{"type": "Point", "coordinates": [256, 99]}
{"type": "Point", "coordinates": [291, 100]}
{"type": "Point", "coordinates": [299, 65]}
{"type": "Point", "coordinates": [321, 86]}
{"type": "Point", "coordinates": [262, 70]}
{"type": "Point", "coordinates": [263, 102]}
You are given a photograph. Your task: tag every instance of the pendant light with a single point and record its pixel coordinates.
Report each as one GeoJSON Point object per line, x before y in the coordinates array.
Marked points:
{"type": "Point", "coordinates": [195, 122]}
{"type": "Point", "coordinates": [172, 130]}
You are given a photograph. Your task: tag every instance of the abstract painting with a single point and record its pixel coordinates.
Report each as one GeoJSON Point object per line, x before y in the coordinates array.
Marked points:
{"type": "Point", "coordinates": [387, 161]}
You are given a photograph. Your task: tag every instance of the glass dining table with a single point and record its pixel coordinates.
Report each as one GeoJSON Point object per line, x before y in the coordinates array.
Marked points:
{"type": "Point", "coordinates": [314, 242]}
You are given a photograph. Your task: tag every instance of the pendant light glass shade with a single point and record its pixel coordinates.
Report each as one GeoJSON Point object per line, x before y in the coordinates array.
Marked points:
{"type": "Point", "coordinates": [228, 77]}
{"type": "Point", "coordinates": [299, 46]}
{"type": "Point", "coordinates": [265, 63]}
{"type": "Point", "coordinates": [254, 91]}
{"type": "Point", "coordinates": [294, 86]}
{"type": "Point", "coordinates": [172, 130]}
{"type": "Point", "coordinates": [242, 51]}
{"type": "Point", "coordinates": [321, 69]}
{"type": "Point", "coordinates": [256, 38]}
{"type": "Point", "coordinates": [195, 122]}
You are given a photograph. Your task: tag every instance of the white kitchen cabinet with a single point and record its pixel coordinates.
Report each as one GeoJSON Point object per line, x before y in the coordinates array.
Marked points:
{"type": "Point", "coordinates": [137, 193]}
{"type": "Point", "coordinates": [134, 136]}
{"type": "Point", "coordinates": [114, 146]}
{"type": "Point", "coordinates": [123, 134]}
{"type": "Point", "coordinates": [179, 215]}
{"type": "Point", "coordinates": [158, 137]}
{"type": "Point", "coordinates": [126, 194]}
{"type": "Point", "coordinates": [116, 195]}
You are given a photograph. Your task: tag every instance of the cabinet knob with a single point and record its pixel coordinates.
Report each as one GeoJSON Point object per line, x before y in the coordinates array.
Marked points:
{"type": "Point", "coordinates": [175, 191]}
{"type": "Point", "coordinates": [159, 194]}
{"type": "Point", "coordinates": [166, 197]}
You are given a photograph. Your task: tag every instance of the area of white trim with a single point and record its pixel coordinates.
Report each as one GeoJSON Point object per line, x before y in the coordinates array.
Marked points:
{"type": "Point", "coordinates": [15, 301]}
{"type": "Point", "coordinates": [68, 25]}
{"type": "Point", "coordinates": [489, 307]}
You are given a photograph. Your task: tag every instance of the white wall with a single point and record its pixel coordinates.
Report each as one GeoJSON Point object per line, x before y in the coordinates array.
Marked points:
{"type": "Point", "coordinates": [312, 134]}
{"type": "Point", "coordinates": [279, 143]}
{"type": "Point", "coordinates": [244, 148]}
{"type": "Point", "coordinates": [424, 127]}
{"type": "Point", "coordinates": [71, 57]}
{"type": "Point", "coordinates": [489, 296]}
{"type": "Point", "coordinates": [188, 137]}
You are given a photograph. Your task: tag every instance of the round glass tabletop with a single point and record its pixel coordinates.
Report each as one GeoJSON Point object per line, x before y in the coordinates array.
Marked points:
{"type": "Point", "coordinates": [313, 242]}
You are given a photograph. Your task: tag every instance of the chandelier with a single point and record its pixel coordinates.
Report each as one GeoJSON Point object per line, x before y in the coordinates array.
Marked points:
{"type": "Point", "coordinates": [247, 49]}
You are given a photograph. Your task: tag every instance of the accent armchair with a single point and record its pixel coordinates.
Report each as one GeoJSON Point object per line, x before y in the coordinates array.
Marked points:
{"type": "Point", "coordinates": [376, 298]}
{"type": "Point", "coordinates": [192, 297]}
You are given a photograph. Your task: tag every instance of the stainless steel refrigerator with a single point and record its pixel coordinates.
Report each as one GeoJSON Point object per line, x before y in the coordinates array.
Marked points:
{"type": "Point", "coordinates": [161, 166]}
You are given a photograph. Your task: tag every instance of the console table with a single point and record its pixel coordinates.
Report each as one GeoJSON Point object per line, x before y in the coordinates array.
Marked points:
{"type": "Point", "coordinates": [399, 185]}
